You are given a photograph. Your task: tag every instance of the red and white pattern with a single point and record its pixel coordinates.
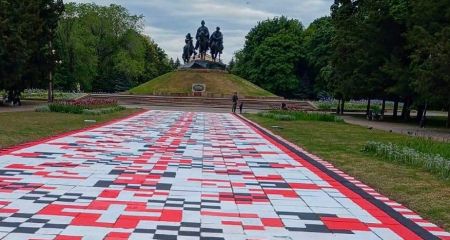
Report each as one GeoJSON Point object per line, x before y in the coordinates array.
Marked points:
{"type": "Point", "coordinates": [178, 175]}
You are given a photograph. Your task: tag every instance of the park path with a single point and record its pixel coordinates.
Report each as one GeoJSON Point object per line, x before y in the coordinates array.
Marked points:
{"type": "Point", "coordinates": [184, 175]}
{"type": "Point", "coordinates": [438, 134]}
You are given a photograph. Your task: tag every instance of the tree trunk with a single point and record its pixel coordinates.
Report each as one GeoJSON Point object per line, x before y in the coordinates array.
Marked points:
{"type": "Point", "coordinates": [395, 112]}
{"type": "Point", "coordinates": [406, 112]}
{"type": "Point", "coordinates": [342, 106]}
{"type": "Point", "coordinates": [448, 117]}
{"type": "Point", "coordinates": [420, 112]}
{"type": "Point", "coordinates": [424, 116]}
{"type": "Point", "coordinates": [368, 107]}
{"type": "Point", "coordinates": [338, 108]}
{"type": "Point", "coordinates": [383, 108]}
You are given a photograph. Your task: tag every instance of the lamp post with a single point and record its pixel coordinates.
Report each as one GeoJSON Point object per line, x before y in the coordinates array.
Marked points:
{"type": "Point", "coordinates": [50, 77]}
{"type": "Point", "coordinates": [54, 62]}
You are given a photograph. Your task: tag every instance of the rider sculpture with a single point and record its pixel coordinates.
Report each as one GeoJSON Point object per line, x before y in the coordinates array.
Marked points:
{"type": "Point", "coordinates": [188, 50]}
{"type": "Point", "coordinates": [216, 44]}
{"type": "Point", "coordinates": [202, 38]}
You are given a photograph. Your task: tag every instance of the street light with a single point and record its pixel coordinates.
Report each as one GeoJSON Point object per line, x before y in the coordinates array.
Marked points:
{"type": "Point", "coordinates": [50, 82]}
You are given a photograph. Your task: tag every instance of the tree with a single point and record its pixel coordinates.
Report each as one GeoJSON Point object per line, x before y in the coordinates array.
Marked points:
{"type": "Point", "coordinates": [318, 52]}
{"type": "Point", "coordinates": [345, 44]}
{"type": "Point", "coordinates": [28, 28]}
{"type": "Point", "coordinates": [231, 65]}
{"type": "Point", "coordinates": [272, 54]}
{"type": "Point", "coordinates": [104, 50]}
{"type": "Point", "coordinates": [172, 63]}
{"type": "Point", "coordinates": [429, 39]}
{"type": "Point", "coordinates": [177, 63]}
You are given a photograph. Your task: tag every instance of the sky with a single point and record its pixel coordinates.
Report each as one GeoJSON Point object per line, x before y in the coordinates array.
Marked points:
{"type": "Point", "coordinates": [168, 21]}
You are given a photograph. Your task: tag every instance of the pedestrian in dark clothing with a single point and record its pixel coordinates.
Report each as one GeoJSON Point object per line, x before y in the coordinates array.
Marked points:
{"type": "Point", "coordinates": [241, 107]}
{"type": "Point", "coordinates": [235, 102]}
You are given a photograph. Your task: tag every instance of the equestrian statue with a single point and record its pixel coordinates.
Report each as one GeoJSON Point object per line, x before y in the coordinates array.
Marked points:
{"type": "Point", "coordinates": [216, 44]}
{"type": "Point", "coordinates": [202, 40]}
{"type": "Point", "coordinates": [188, 50]}
{"type": "Point", "coordinates": [204, 43]}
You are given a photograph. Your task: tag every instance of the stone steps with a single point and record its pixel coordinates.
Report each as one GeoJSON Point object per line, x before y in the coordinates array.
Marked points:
{"type": "Point", "coordinates": [257, 104]}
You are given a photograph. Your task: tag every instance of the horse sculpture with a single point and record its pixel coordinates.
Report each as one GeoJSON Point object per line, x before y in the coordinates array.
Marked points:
{"type": "Point", "coordinates": [188, 51]}
{"type": "Point", "coordinates": [216, 43]}
{"type": "Point", "coordinates": [203, 45]}
{"type": "Point", "coordinates": [202, 37]}
{"type": "Point", "coordinates": [215, 50]}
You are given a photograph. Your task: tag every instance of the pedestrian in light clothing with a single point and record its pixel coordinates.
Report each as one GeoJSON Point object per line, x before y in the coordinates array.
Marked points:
{"type": "Point", "coordinates": [235, 102]}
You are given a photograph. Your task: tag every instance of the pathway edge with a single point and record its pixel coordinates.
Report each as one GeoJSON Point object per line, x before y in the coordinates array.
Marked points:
{"type": "Point", "coordinates": [8, 150]}
{"type": "Point", "coordinates": [355, 186]}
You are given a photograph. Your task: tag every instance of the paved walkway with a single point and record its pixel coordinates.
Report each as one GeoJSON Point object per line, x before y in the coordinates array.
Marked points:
{"type": "Point", "coordinates": [26, 106]}
{"type": "Point", "coordinates": [402, 128]}
{"type": "Point", "coordinates": [181, 175]}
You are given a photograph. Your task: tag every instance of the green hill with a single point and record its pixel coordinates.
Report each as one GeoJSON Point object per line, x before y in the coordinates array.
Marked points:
{"type": "Point", "coordinates": [217, 83]}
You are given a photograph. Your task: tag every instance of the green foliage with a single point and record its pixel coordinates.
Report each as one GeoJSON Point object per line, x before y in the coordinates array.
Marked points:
{"type": "Point", "coordinates": [297, 115]}
{"type": "Point", "coordinates": [43, 109]}
{"type": "Point", "coordinates": [103, 49]}
{"type": "Point", "coordinates": [64, 108]}
{"type": "Point", "coordinates": [26, 29]}
{"type": "Point", "coordinates": [271, 56]}
{"type": "Point", "coordinates": [432, 162]}
{"type": "Point", "coordinates": [429, 40]}
{"type": "Point", "coordinates": [318, 49]}
{"type": "Point", "coordinates": [101, 111]}
{"type": "Point", "coordinates": [83, 105]}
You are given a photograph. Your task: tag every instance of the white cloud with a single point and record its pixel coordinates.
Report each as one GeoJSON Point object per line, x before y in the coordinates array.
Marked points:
{"type": "Point", "coordinates": [168, 22]}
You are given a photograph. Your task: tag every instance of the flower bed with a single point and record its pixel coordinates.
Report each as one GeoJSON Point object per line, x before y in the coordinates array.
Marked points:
{"type": "Point", "coordinates": [78, 106]}
{"type": "Point", "coordinates": [432, 162]}
{"type": "Point", "coordinates": [42, 94]}
{"type": "Point", "coordinates": [354, 105]}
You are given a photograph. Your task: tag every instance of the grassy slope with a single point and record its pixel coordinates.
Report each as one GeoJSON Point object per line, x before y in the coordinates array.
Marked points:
{"type": "Point", "coordinates": [20, 127]}
{"type": "Point", "coordinates": [181, 82]}
{"type": "Point", "coordinates": [341, 144]}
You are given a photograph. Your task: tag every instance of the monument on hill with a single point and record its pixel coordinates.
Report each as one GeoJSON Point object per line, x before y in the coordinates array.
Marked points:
{"type": "Point", "coordinates": [204, 42]}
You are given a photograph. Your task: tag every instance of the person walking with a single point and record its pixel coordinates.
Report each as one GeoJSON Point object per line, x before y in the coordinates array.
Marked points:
{"type": "Point", "coordinates": [235, 100]}
{"type": "Point", "coordinates": [241, 107]}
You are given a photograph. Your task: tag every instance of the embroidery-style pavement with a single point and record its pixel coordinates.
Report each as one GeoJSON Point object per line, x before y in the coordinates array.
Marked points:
{"type": "Point", "coordinates": [177, 175]}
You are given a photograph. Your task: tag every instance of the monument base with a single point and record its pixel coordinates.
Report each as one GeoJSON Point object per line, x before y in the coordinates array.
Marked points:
{"type": "Point", "coordinates": [204, 64]}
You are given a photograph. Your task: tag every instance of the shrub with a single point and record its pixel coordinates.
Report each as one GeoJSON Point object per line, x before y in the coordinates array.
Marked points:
{"type": "Point", "coordinates": [103, 110]}
{"type": "Point", "coordinates": [431, 162]}
{"type": "Point", "coordinates": [296, 115]}
{"type": "Point", "coordinates": [43, 109]}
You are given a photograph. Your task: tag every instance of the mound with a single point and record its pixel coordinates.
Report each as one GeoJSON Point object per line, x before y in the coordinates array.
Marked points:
{"type": "Point", "coordinates": [217, 84]}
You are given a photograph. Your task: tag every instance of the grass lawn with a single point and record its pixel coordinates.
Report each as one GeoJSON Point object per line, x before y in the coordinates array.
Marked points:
{"type": "Point", "coordinates": [216, 82]}
{"type": "Point", "coordinates": [341, 144]}
{"type": "Point", "coordinates": [20, 127]}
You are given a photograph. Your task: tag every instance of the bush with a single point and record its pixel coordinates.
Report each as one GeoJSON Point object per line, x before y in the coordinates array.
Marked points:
{"type": "Point", "coordinates": [431, 162]}
{"type": "Point", "coordinates": [65, 108]}
{"type": "Point", "coordinates": [296, 115]}
{"type": "Point", "coordinates": [103, 110]}
{"type": "Point", "coordinates": [43, 109]}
